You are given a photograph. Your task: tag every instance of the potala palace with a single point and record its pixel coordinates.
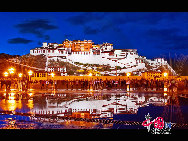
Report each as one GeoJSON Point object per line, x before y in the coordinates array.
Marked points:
{"type": "Point", "coordinates": [86, 52]}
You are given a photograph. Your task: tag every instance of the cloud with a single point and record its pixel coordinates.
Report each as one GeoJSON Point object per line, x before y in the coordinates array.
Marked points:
{"type": "Point", "coordinates": [84, 18]}
{"type": "Point", "coordinates": [90, 30]}
{"type": "Point", "coordinates": [137, 17]}
{"type": "Point", "coordinates": [95, 22]}
{"type": "Point", "coordinates": [36, 27]}
{"type": "Point", "coordinates": [19, 41]}
{"type": "Point", "coordinates": [168, 38]}
{"type": "Point", "coordinates": [147, 23]}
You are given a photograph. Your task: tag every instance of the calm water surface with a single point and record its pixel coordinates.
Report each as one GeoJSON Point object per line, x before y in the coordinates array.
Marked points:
{"type": "Point", "coordinates": [117, 105]}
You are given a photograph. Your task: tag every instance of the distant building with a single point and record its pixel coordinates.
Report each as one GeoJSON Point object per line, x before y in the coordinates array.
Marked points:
{"type": "Point", "coordinates": [86, 52]}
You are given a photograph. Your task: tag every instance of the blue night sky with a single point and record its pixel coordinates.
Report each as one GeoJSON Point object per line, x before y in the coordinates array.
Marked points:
{"type": "Point", "coordinates": [153, 34]}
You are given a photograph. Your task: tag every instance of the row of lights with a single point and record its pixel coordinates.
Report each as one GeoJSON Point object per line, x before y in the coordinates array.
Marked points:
{"type": "Point", "coordinates": [11, 71]}
{"type": "Point", "coordinates": [30, 72]}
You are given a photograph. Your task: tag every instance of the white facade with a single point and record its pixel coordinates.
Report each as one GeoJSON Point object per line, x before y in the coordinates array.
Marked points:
{"type": "Point", "coordinates": [127, 59]}
{"type": "Point", "coordinates": [104, 108]}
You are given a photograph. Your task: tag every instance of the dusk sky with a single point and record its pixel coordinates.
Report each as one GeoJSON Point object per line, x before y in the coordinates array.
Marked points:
{"type": "Point", "coordinates": [153, 34]}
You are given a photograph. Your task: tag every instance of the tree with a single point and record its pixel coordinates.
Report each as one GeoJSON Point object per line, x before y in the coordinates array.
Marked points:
{"type": "Point", "coordinates": [3, 62]}
{"type": "Point", "coordinates": [38, 61]}
{"type": "Point", "coordinates": [180, 64]}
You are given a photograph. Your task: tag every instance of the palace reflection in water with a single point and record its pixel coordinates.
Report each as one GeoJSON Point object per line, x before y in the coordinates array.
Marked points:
{"type": "Point", "coordinates": [89, 105]}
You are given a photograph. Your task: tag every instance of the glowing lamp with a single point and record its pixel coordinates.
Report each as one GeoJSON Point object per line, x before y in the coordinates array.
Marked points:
{"type": "Point", "coordinates": [165, 94]}
{"type": "Point", "coordinates": [30, 72]}
{"type": "Point", "coordinates": [165, 74]}
{"type": "Point", "coordinates": [20, 74]}
{"type": "Point", "coordinates": [128, 74]}
{"type": "Point", "coordinates": [165, 89]}
{"type": "Point", "coordinates": [52, 74]}
{"type": "Point", "coordinates": [90, 74]}
{"type": "Point", "coordinates": [11, 70]}
{"type": "Point", "coordinates": [6, 74]}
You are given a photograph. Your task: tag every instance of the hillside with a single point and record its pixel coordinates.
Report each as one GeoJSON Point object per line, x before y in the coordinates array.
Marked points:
{"type": "Point", "coordinates": [3, 64]}
{"type": "Point", "coordinates": [39, 61]}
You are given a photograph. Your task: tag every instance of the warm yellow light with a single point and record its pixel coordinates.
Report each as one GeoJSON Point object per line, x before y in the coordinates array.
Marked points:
{"type": "Point", "coordinates": [128, 89]}
{"type": "Point", "coordinates": [165, 89]}
{"type": "Point", "coordinates": [128, 74]}
{"type": "Point", "coordinates": [52, 74]}
{"type": "Point", "coordinates": [30, 94]}
{"type": "Point", "coordinates": [20, 74]}
{"type": "Point", "coordinates": [6, 74]}
{"type": "Point", "coordinates": [165, 74]}
{"type": "Point", "coordinates": [90, 74]}
{"type": "Point", "coordinates": [11, 70]}
{"type": "Point", "coordinates": [30, 72]}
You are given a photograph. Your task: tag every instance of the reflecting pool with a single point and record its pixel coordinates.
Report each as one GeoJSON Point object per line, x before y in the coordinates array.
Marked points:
{"type": "Point", "coordinates": [90, 109]}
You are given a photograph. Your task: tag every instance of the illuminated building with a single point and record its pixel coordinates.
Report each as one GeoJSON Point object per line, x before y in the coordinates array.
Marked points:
{"type": "Point", "coordinates": [86, 52]}
{"type": "Point", "coordinates": [101, 108]}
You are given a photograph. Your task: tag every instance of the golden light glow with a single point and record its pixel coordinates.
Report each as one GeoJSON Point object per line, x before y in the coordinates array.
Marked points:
{"type": "Point", "coordinates": [11, 104]}
{"type": "Point", "coordinates": [20, 74]}
{"type": "Point", "coordinates": [165, 89]}
{"type": "Point", "coordinates": [165, 74]}
{"type": "Point", "coordinates": [30, 72]}
{"type": "Point", "coordinates": [11, 70]}
{"type": "Point", "coordinates": [6, 74]}
{"type": "Point", "coordinates": [165, 94]}
{"type": "Point", "coordinates": [128, 74]}
{"type": "Point", "coordinates": [128, 88]}
{"type": "Point", "coordinates": [52, 74]}
{"type": "Point", "coordinates": [91, 90]}
{"type": "Point", "coordinates": [30, 94]}
{"type": "Point", "coordinates": [30, 104]}
{"type": "Point", "coordinates": [90, 74]}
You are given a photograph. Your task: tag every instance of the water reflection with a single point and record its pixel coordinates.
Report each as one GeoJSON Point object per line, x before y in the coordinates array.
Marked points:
{"type": "Point", "coordinates": [87, 105]}
{"type": "Point", "coordinates": [15, 101]}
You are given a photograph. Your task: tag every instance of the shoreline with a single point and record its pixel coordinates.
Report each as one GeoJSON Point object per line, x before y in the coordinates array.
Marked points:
{"type": "Point", "coordinates": [57, 91]}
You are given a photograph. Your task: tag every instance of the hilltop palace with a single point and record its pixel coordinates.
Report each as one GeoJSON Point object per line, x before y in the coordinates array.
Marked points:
{"type": "Point", "coordinates": [86, 52]}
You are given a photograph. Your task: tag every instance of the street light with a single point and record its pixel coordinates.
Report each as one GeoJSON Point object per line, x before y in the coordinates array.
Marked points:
{"type": "Point", "coordinates": [20, 84]}
{"type": "Point", "coordinates": [11, 70]}
{"type": "Point", "coordinates": [30, 73]}
{"type": "Point", "coordinates": [52, 74]}
{"type": "Point", "coordinates": [128, 74]}
{"type": "Point", "coordinates": [165, 74]}
{"type": "Point", "coordinates": [6, 74]}
{"type": "Point", "coordinates": [20, 75]}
